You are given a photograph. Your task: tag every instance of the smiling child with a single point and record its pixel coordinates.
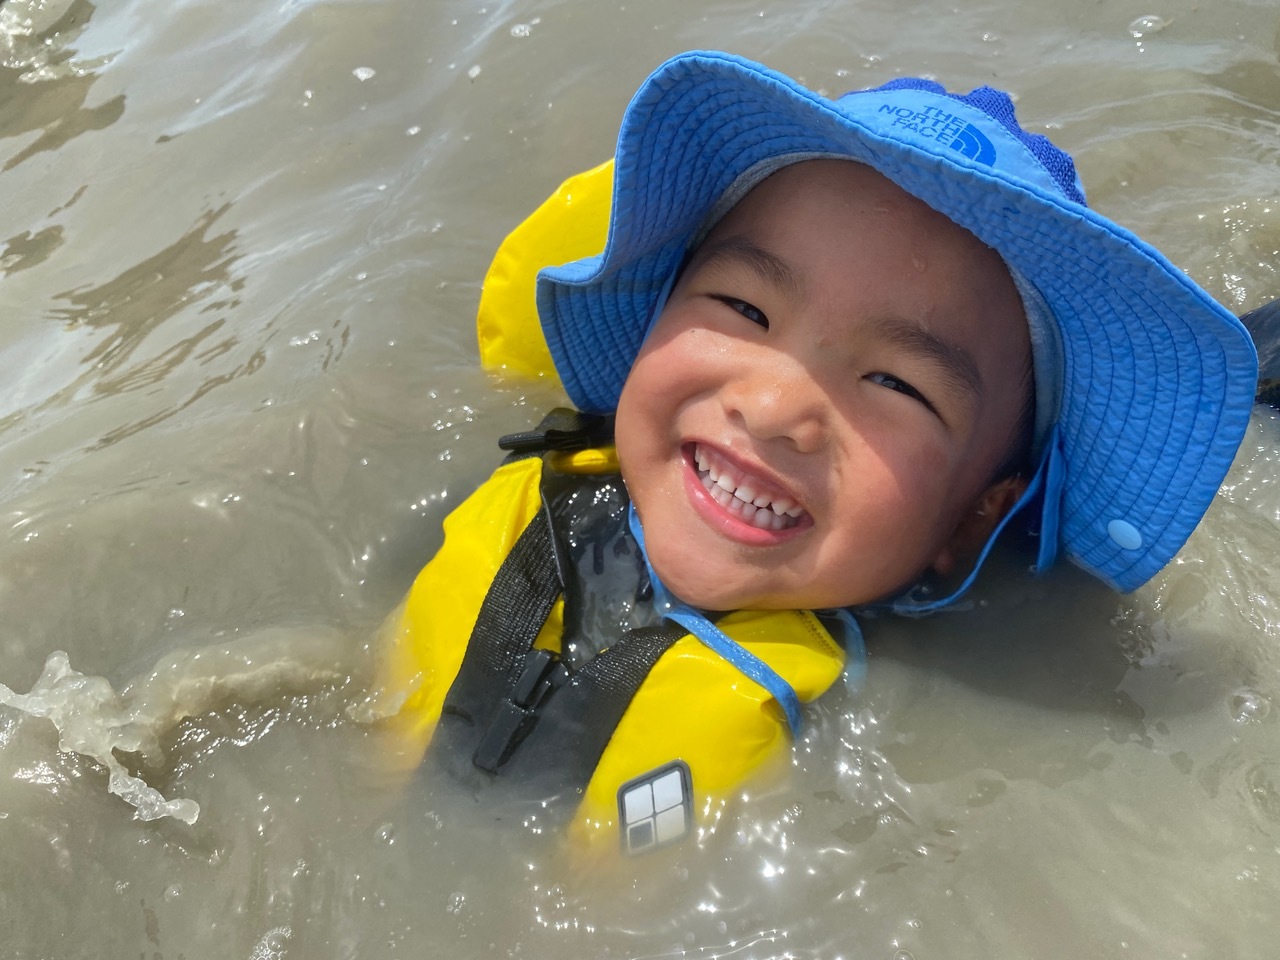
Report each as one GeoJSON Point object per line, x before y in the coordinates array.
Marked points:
{"type": "Point", "coordinates": [846, 342]}
{"type": "Point", "coordinates": [792, 367]}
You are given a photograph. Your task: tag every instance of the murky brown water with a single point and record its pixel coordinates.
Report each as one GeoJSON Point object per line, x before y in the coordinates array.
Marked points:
{"type": "Point", "coordinates": [240, 250]}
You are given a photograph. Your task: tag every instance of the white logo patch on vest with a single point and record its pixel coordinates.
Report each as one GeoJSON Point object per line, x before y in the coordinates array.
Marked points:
{"type": "Point", "coordinates": [656, 808]}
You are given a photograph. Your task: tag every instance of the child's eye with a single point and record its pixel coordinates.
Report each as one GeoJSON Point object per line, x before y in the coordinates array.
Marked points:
{"type": "Point", "coordinates": [901, 386]}
{"type": "Point", "coordinates": [746, 309]}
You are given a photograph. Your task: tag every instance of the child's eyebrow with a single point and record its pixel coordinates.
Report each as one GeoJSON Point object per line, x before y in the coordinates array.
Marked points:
{"type": "Point", "coordinates": [956, 363]}
{"type": "Point", "coordinates": [739, 251]}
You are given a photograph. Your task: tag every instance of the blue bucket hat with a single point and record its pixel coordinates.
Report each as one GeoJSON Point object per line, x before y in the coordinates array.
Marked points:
{"type": "Point", "coordinates": [1144, 384]}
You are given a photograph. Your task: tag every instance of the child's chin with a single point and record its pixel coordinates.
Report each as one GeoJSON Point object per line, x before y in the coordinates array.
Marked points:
{"type": "Point", "coordinates": [701, 588]}
{"type": "Point", "coordinates": [720, 596]}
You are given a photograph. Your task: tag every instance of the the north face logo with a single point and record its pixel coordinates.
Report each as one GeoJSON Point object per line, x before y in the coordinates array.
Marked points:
{"type": "Point", "coordinates": [934, 123]}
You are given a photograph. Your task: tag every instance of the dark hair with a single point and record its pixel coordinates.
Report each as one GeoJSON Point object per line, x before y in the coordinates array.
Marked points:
{"type": "Point", "coordinates": [1017, 463]}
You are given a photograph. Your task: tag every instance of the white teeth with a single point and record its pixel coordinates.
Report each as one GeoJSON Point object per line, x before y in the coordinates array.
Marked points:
{"type": "Point", "coordinates": [754, 507]}
{"type": "Point", "coordinates": [767, 520]}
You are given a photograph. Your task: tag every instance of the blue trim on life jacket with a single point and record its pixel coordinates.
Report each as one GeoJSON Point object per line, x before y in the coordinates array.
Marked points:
{"type": "Point", "coordinates": [696, 622]}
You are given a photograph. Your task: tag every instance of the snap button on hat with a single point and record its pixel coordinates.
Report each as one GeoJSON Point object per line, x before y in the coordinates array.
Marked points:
{"type": "Point", "coordinates": [1125, 534]}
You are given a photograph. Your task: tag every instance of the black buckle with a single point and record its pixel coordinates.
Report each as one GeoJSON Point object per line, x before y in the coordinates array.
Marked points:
{"type": "Point", "coordinates": [543, 673]}
{"type": "Point", "coordinates": [561, 429]}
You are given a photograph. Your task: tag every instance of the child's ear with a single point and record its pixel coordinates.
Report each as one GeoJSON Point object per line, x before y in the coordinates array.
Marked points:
{"type": "Point", "coordinates": [976, 526]}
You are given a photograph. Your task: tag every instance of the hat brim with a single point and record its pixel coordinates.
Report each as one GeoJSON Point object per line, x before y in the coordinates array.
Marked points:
{"type": "Point", "coordinates": [1158, 379]}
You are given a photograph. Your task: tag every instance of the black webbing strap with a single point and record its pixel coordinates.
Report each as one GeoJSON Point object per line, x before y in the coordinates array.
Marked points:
{"type": "Point", "coordinates": [580, 720]}
{"type": "Point", "coordinates": [557, 760]}
{"type": "Point", "coordinates": [517, 717]}
{"type": "Point", "coordinates": [487, 690]}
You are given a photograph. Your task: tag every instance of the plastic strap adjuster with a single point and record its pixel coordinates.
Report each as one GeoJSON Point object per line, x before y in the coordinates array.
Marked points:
{"type": "Point", "coordinates": [543, 673]}
{"type": "Point", "coordinates": [561, 429]}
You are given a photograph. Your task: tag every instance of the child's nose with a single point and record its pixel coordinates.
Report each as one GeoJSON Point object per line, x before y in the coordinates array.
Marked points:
{"type": "Point", "coordinates": [781, 400]}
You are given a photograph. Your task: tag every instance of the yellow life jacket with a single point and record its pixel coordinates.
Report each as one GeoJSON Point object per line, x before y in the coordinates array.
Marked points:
{"type": "Point", "coordinates": [695, 728]}
{"type": "Point", "coordinates": [570, 224]}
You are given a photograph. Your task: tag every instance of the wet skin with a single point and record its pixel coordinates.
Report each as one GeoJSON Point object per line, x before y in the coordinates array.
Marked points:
{"type": "Point", "coordinates": [848, 360]}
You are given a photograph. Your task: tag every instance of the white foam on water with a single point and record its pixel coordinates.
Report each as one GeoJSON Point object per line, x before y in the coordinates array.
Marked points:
{"type": "Point", "coordinates": [97, 721]}
{"type": "Point", "coordinates": [94, 722]}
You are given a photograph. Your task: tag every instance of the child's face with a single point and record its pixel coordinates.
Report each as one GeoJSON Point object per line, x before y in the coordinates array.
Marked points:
{"type": "Point", "coordinates": [848, 358]}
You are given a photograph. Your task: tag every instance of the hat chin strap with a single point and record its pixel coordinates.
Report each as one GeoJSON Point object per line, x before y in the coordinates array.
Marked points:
{"type": "Point", "coordinates": [1047, 481]}
{"type": "Point", "coordinates": [696, 622]}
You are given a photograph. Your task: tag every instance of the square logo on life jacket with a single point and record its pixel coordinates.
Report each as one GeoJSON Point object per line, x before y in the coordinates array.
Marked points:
{"type": "Point", "coordinates": [656, 808]}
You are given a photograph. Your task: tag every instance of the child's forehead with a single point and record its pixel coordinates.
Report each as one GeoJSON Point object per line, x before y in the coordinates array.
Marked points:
{"type": "Point", "coordinates": [834, 188]}
{"type": "Point", "coordinates": [845, 211]}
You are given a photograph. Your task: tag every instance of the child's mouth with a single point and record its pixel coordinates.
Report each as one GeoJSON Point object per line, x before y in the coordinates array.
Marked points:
{"type": "Point", "coordinates": [741, 496]}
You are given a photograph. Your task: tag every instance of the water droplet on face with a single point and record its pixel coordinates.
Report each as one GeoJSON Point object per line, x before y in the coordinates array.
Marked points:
{"type": "Point", "coordinates": [456, 903]}
{"type": "Point", "coordinates": [1248, 706]}
{"type": "Point", "coordinates": [1145, 26]}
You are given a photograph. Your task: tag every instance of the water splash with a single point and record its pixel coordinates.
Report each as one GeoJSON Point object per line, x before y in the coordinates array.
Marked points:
{"type": "Point", "coordinates": [96, 721]}
{"type": "Point", "coordinates": [1147, 25]}
{"type": "Point", "coordinates": [273, 944]}
{"type": "Point", "coordinates": [1248, 706]}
